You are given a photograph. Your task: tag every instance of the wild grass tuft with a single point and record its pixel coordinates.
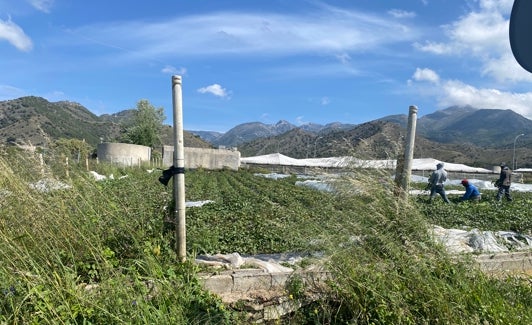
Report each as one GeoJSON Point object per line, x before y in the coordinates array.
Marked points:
{"type": "Point", "coordinates": [93, 253]}
{"type": "Point", "coordinates": [397, 275]}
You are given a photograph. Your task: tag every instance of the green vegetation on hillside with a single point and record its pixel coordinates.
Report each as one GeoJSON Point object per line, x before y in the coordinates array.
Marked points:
{"type": "Point", "coordinates": [36, 121]}
{"type": "Point", "coordinates": [101, 253]}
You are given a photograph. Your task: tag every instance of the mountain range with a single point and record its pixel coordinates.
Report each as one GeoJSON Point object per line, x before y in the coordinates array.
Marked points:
{"type": "Point", "coordinates": [479, 137]}
{"type": "Point", "coordinates": [480, 127]}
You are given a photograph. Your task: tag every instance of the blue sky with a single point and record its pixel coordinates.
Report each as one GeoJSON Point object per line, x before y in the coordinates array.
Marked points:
{"type": "Point", "coordinates": [249, 60]}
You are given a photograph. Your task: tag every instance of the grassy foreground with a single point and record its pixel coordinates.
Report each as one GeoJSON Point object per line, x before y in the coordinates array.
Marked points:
{"type": "Point", "coordinates": [100, 252]}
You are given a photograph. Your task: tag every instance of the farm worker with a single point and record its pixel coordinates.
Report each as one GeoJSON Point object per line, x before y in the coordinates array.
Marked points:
{"type": "Point", "coordinates": [436, 181]}
{"type": "Point", "coordinates": [504, 182]}
{"type": "Point", "coordinates": [472, 193]}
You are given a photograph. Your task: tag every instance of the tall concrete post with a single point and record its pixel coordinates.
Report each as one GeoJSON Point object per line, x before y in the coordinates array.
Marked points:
{"type": "Point", "coordinates": [179, 173]}
{"type": "Point", "coordinates": [409, 149]}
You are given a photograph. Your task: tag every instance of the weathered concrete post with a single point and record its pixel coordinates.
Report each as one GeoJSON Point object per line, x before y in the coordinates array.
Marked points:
{"type": "Point", "coordinates": [409, 152]}
{"type": "Point", "coordinates": [179, 176]}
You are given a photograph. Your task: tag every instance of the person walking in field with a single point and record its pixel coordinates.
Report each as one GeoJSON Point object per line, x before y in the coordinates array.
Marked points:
{"type": "Point", "coordinates": [504, 182]}
{"type": "Point", "coordinates": [472, 193]}
{"type": "Point", "coordinates": [436, 183]}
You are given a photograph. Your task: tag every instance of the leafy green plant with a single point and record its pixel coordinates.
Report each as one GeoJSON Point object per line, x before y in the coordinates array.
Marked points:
{"type": "Point", "coordinates": [296, 287]}
{"type": "Point", "coordinates": [485, 215]}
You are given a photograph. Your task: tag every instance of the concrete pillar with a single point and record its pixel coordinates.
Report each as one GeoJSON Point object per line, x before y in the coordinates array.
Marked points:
{"type": "Point", "coordinates": [409, 150]}
{"type": "Point", "coordinates": [179, 170]}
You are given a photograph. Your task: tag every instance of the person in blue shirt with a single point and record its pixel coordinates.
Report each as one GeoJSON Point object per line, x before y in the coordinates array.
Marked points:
{"type": "Point", "coordinates": [472, 193]}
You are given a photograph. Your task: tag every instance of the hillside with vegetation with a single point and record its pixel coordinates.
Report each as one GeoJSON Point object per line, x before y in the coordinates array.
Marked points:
{"type": "Point", "coordinates": [80, 251]}
{"type": "Point", "coordinates": [382, 140]}
{"type": "Point", "coordinates": [34, 121]}
{"type": "Point", "coordinates": [494, 128]}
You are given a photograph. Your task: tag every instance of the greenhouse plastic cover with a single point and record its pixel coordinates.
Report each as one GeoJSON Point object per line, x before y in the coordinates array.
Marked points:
{"type": "Point", "coordinates": [330, 162]}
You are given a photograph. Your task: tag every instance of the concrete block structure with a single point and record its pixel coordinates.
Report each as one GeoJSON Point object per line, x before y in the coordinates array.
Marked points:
{"type": "Point", "coordinates": [124, 153]}
{"type": "Point", "coordinates": [134, 155]}
{"type": "Point", "coordinates": [204, 158]}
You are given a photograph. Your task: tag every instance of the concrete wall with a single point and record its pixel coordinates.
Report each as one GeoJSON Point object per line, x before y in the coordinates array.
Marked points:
{"type": "Point", "coordinates": [124, 153]}
{"type": "Point", "coordinates": [204, 158]}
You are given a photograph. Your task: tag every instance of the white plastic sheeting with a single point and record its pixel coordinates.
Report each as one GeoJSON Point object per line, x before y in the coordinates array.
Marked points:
{"type": "Point", "coordinates": [480, 184]}
{"type": "Point", "coordinates": [192, 204]}
{"type": "Point", "coordinates": [456, 241]}
{"type": "Point", "coordinates": [322, 182]}
{"type": "Point", "coordinates": [316, 184]}
{"type": "Point", "coordinates": [268, 263]}
{"type": "Point", "coordinates": [48, 185]}
{"type": "Point", "coordinates": [475, 241]}
{"type": "Point", "coordinates": [337, 162]}
{"type": "Point", "coordinates": [272, 175]}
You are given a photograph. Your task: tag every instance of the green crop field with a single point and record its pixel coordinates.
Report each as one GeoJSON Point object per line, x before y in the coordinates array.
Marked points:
{"type": "Point", "coordinates": [102, 252]}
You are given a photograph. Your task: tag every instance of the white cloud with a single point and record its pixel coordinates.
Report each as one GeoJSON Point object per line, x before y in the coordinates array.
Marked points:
{"type": "Point", "coordinates": [498, 5]}
{"type": "Point", "coordinates": [344, 58]}
{"type": "Point", "coordinates": [453, 92]}
{"type": "Point", "coordinates": [325, 101]}
{"type": "Point", "coordinates": [426, 75]}
{"type": "Point", "coordinates": [482, 34]}
{"type": "Point", "coordinates": [325, 31]}
{"type": "Point", "coordinates": [12, 33]}
{"type": "Point", "coordinates": [42, 5]}
{"type": "Point", "coordinates": [300, 120]}
{"type": "Point", "coordinates": [434, 47]}
{"type": "Point", "coordinates": [506, 68]}
{"type": "Point", "coordinates": [458, 93]}
{"type": "Point", "coordinates": [168, 69]}
{"type": "Point", "coordinates": [214, 89]}
{"type": "Point", "coordinates": [265, 118]}
{"type": "Point", "coordinates": [397, 13]}
{"type": "Point", "coordinates": [10, 92]}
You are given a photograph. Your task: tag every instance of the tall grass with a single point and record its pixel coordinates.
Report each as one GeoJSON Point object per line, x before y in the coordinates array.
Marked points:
{"type": "Point", "coordinates": [396, 274]}
{"type": "Point", "coordinates": [98, 252]}
{"type": "Point", "coordinates": [94, 253]}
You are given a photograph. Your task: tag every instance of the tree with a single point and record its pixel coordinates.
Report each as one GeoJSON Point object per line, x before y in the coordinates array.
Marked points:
{"type": "Point", "coordinates": [72, 148]}
{"type": "Point", "coordinates": [145, 126]}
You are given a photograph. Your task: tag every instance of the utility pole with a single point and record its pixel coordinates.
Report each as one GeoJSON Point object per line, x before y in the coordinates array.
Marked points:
{"type": "Point", "coordinates": [179, 173]}
{"type": "Point", "coordinates": [405, 167]}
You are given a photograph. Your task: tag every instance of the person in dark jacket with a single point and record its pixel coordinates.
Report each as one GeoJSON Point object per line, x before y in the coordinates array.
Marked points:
{"type": "Point", "coordinates": [472, 193]}
{"type": "Point", "coordinates": [436, 181]}
{"type": "Point", "coordinates": [504, 182]}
